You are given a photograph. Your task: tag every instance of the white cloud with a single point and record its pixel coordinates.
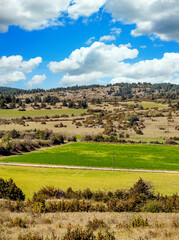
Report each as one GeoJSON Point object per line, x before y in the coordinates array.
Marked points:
{"type": "Point", "coordinates": [152, 17]}
{"type": "Point", "coordinates": [107, 38]}
{"type": "Point", "coordinates": [31, 14]}
{"type": "Point", "coordinates": [100, 61]}
{"type": "Point", "coordinates": [154, 71]}
{"type": "Point", "coordinates": [90, 40]}
{"type": "Point", "coordinates": [84, 8]}
{"type": "Point", "coordinates": [12, 68]}
{"type": "Point", "coordinates": [98, 57]}
{"type": "Point", "coordinates": [82, 79]}
{"type": "Point", "coordinates": [158, 17]}
{"type": "Point", "coordinates": [36, 80]}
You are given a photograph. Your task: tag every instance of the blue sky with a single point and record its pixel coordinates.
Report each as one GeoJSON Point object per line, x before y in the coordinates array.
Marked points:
{"type": "Point", "coordinates": [79, 43]}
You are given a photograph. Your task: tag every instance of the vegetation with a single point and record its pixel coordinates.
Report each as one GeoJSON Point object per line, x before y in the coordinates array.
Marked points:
{"type": "Point", "coordinates": [101, 155]}
{"type": "Point", "coordinates": [8, 113]}
{"type": "Point", "coordinates": [9, 190]}
{"type": "Point", "coordinates": [134, 199]}
{"type": "Point", "coordinates": [31, 179]}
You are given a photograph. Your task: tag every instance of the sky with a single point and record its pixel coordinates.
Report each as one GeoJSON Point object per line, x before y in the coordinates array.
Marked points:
{"type": "Point", "coordinates": [59, 43]}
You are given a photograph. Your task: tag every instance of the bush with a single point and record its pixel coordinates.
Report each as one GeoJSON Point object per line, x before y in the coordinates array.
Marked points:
{"type": "Point", "coordinates": [30, 236]}
{"type": "Point", "coordinates": [152, 206]}
{"type": "Point", "coordinates": [79, 234]}
{"type": "Point", "coordinates": [48, 192]}
{"type": "Point", "coordinates": [141, 187]}
{"type": "Point", "coordinates": [96, 224]}
{"type": "Point", "coordinates": [9, 190]}
{"type": "Point", "coordinates": [139, 222]}
{"type": "Point", "coordinates": [17, 222]}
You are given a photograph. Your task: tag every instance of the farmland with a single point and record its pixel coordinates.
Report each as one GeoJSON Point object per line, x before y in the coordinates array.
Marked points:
{"type": "Point", "coordinates": [31, 179]}
{"type": "Point", "coordinates": [155, 157]}
{"type": "Point", "coordinates": [10, 113]}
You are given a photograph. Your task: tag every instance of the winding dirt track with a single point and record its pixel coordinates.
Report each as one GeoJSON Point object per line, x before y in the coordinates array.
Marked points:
{"type": "Point", "coordinates": [86, 168]}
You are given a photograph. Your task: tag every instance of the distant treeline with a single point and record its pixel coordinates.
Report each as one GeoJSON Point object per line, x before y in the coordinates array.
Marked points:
{"type": "Point", "coordinates": [125, 87]}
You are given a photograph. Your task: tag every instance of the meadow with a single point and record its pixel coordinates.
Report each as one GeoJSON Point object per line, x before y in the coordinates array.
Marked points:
{"type": "Point", "coordinates": [130, 156]}
{"type": "Point", "coordinates": [10, 113]}
{"type": "Point", "coordinates": [31, 179]}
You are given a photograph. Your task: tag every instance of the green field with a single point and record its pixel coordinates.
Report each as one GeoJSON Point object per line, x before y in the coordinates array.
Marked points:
{"type": "Point", "coordinates": [32, 179]}
{"type": "Point", "coordinates": [128, 156]}
{"type": "Point", "coordinates": [10, 113]}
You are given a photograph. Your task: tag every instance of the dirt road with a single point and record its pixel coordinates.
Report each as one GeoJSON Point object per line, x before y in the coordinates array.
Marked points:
{"type": "Point", "coordinates": [86, 168]}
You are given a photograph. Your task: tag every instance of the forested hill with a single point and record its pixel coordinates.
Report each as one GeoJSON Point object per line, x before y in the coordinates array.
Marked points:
{"type": "Point", "coordinates": [17, 91]}
{"type": "Point", "coordinates": [159, 87]}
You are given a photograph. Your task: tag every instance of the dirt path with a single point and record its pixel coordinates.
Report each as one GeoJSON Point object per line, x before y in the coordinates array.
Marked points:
{"type": "Point", "coordinates": [85, 168]}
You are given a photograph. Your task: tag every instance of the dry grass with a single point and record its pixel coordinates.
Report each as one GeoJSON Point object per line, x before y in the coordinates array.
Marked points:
{"type": "Point", "coordinates": [161, 226]}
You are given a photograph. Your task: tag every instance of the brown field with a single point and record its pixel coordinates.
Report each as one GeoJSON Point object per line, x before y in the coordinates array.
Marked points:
{"type": "Point", "coordinates": [54, 225]}
{"type": "Point", "coordinates": [152, 128]}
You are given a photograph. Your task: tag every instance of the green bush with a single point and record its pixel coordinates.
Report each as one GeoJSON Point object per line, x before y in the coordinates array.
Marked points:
{"type": "Point", "coordinates": [9, 190]}
{"type": "Point", "coordinates": [139, 222]}
{"type": "Point", "coordinates": [152, 206]}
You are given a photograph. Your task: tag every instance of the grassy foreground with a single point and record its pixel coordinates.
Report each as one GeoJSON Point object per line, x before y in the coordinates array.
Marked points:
{"type": "Point", "coordinates": [101, 155]}
{"type": "Point", "coordinates": [10, 113]}
{"type": "Point", "coordinates": [32, 179]}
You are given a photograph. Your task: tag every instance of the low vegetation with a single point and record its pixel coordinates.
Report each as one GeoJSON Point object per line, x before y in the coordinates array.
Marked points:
{"type": "Point", "coordinates": [30, 215]}
{"type": "Point", "coordinates": [102, 155]}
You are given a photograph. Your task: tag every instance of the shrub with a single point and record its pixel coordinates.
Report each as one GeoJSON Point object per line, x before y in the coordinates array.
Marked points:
{"type": "Point", "coordinates": [141, 187]}
{"type": "Point", "coordinates": [105, 236]}
{"type": "Point", "coordinates": [87, 194]}
{"type": "Point", "coordinates": [152, 206]}
{"type": "Point", "coordinates": [14, 134]}
{"type": "Point", "coordinates": [9, 190]}
{"type": "Point", "coordinates": [18, 222]}
{"type": "Point", "coordinates": [139, 222]}
{"type": "Point", "coordinates": [79, 234]}
{"type": "Point", "coordinates": [96, 224]}
{"type": "Point", "coordinates": [48, 192]}
{"type": "Point", "coordinates": [30, 236]}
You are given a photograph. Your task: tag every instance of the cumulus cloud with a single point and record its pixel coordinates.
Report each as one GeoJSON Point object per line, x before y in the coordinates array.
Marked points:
{"type": "Point", "coordinates": [13, 68]}
{"type": "Point", "coordinates": [84, 8]}
{"type": "Point", "coordinates": [31, 15]}
{"type": "Point", "coordinates": [36, 80]}
{"type": "Point", "coordinates": [98, 57]}
{"type": "Point", "coordinates": [156, 17]}
{"type": "Point", "coordinates": [85, 65]}
{"type": "Point", "coordinates": [107, 38]}
{"type": "Point", "coordinates": [154, 71]}
{"type": "Point", "coordinates": [82, 79]}
{"type": "Point", "coordinates": [100, 61]}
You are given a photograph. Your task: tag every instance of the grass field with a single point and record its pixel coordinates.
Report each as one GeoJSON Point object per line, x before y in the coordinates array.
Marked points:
{"type": "Point", "coordinates": [149, 104]}
{"type": "Point", "coordinates": [101, 155]}
{"type": "Point", "coordinates": [32, 179]}
{"type": "Point", "coordinates": [10, 113]}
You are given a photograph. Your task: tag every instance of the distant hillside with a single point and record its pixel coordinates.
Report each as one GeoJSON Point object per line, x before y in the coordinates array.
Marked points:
{"type": "Point", "coordinates": [125, 88]}
{"type": "Point", "coordinates": [17, 91]}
